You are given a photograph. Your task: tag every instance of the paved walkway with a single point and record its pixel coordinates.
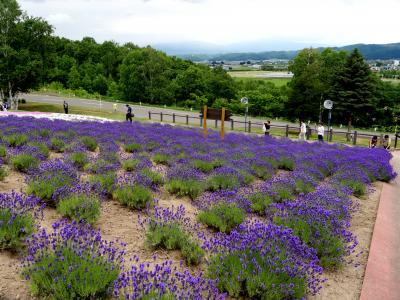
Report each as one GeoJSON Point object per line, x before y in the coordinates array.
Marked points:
{"type": "Point", "coordinates": [382, 275]}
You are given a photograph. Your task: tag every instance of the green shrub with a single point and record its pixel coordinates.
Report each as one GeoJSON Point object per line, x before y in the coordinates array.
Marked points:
{"type": "Point", "coordinates": [45, 189]}
{"type": "Point", "coordinates": [247, 177]}
{"type": "Point", "coordinates": [330, 248]}
{"type": "Point", "coordinates": [189, 187]}
{"type": "Point", "coordinates": [282, 193]}
{"type": "Point", "coordinates": [262, 172]}
{"type": "Point", "coordinates": [57, 145]}
{"type": "Point", "coordinates": [358, 188]}
{"type": "Point", "coordinates": [80, 208]}
{"type": "Point", "coordinates": [170, 236]}
{"type": "Point", "coordinates": [16, 140]}
{"type": "Point", "coordinates": [42, 149]}
{"type": "Point", "coordinates": [222, 182]}
{"type": "Point", "coordinates": [162, 159]}
{"type": "Point", "coordinates": [136, 197]}
{"type": "Point", "coordinates": [89, 142]}
{"type": "Point", "coordinates": [273, 162]}
{"type": "Point", "coordinates": [130, 165]}
{"type": "Point", "coordinates": [14, 229]}
{"type": "Point", "coordinates": [3, 173]}
{"type": "Point", "coordinates": [258, 280]}
{"type": "Point", "coordinates": [303, 187]}
{"type": "Point", "coordinates": [260, 202]}
{"type": "Point", "coordinates": [76, 276]}
{"type": "Point", "coordinates": [223, 216]}
{"type": "Point", "coordinates": [79, 159]}
{"type": "Point", "coordinates": [24, 162]}
{"type": "Point", "coordinates": [204, 166]}
{"type": "Point", "coordinates": [3, 151]}
{"type": "Point", "coordinates": [150, 146]}
{"type": "Point", "coordinates": [132, 147]}
{"type": "Point", "coordinates": [286, 164]}
{"type": "Point", "coordinates": [155, 177]}
{"type": "Point", "coordinates": [106, 181]}
{"type": "Point", "coordinates": [44, 132]}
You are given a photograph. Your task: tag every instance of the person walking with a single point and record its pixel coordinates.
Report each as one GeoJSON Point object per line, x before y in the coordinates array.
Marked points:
{"type": "Point", "coordinates": [320, 131]}
{"type": "Point", "coordinates": [129, 113]}
{"type": "Point", "coordinates": [115, 107]}
{"type": "Point", "coordinates": [266, 127]}
{"type": "Point", "coordinates": [303, 130]}
{"type": "Point", "coordinates": [65, 105]}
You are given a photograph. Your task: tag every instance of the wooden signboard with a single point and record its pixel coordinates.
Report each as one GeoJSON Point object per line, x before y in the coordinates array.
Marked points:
{"type": "Point", "coordinates": [223, 115]}
{"type": "Point", "coordinates": [216, 114]}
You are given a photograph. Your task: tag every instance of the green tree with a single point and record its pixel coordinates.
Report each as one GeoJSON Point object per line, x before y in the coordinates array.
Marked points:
{"type": "Point", "coordinates": [74, 78]}
{"type": "Point", "coordinates": [306, 87]}
{"type": "Point", "coordinates": [23, 53]}
{"type": "Point", "coordinates": [354, 91]}
{"type": "Point", "coordinates": [145, 75]}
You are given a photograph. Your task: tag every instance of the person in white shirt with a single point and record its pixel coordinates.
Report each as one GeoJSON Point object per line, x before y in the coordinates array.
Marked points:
{"type": "Point", "coordinates": [303, 130]}
{"type": "Point", "coordinates": [320, 131]}
{"type": "Point", "coordinates": [266, 127]}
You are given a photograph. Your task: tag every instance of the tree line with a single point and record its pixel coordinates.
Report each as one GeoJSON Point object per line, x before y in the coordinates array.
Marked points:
{"type": "Point", "coordinates": [31, 56]}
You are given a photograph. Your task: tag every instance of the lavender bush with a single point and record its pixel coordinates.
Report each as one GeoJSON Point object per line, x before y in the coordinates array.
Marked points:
{"type": "Point", "coordinates": [18, 219]}
{"type": "Point", "coordinates": [72, 262]}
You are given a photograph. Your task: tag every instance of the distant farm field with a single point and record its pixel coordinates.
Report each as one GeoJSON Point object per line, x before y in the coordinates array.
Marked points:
{"type": "Point", "coordinates": [278, 78]}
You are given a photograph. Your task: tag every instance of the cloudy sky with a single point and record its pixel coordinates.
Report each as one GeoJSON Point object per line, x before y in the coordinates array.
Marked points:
{"type": "Point", "coordinates": [325, 22]}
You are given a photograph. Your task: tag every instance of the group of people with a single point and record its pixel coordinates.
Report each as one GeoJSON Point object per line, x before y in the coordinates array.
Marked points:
{"type": "Point", "coordinates": [373, 142]}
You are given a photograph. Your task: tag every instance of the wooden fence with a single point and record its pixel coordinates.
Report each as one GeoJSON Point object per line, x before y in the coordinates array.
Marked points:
{"type": "Point", "coordinates": [353, 137]}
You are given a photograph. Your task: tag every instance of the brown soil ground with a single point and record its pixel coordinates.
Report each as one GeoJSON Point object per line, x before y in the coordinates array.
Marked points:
{"type": "Point", "coordinates": [118, 222]}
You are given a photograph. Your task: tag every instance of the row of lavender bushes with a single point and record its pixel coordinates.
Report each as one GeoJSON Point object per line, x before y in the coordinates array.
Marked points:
{"type": "Point", "coordinates": [300, 193]}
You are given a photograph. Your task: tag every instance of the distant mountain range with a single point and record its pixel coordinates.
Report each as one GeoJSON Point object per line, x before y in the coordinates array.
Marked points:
{"type": "Point", "coordinates": [238, 52]}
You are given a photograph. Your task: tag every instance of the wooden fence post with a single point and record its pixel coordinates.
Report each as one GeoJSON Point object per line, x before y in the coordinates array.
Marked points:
{"type": "Point", "coordinates": [249, 126]}
{"type": "Point", "coordinates": [232, 124]}
{"type": "Point", "coordinates": [173, 117]}
{"type": "Point", "coordinates": [205, 121]}
{"type": "Point", "coordinates": [222, 123]}
{"type": "Point", "coordinates": [355, 138]}
{"type": "Point", "coordinates": [149, 115]}
{"type": "Point", "coordinates": [330, 134]}
{"type": "Point", "coordinates": [187, 120]}
{"type": "Point", "coordinates": [287, 130]}
{"type": "Point", "coordinates": [216, 123]}
{"type": "Point", "coordinates": [161, 116]}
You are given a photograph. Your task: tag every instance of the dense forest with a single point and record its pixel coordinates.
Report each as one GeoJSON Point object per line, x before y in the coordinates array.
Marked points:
{"type": "Point", "coordinates": [31, 56]}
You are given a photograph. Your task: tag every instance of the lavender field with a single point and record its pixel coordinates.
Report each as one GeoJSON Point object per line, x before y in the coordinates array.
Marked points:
{"type": "Point", "coordinates": [151, 211]}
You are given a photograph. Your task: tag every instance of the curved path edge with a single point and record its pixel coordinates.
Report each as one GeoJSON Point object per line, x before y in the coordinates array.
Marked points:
{"type": "Point", "coordinates": [382, 274]}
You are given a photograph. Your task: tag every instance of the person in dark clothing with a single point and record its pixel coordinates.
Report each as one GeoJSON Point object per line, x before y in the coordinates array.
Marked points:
{"type": "Point", "coordinates": [267, 127]}
{"type": "Point", "coordinates": [65, 107]}
{"type": "Point", "coordinates": [129, 113]}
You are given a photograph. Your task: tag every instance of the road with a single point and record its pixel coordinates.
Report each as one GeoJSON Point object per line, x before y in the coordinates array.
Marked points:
{"type": "Point", "coordinates": [139, 111]}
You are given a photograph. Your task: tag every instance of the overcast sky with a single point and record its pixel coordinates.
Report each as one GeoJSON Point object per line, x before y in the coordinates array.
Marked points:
{"type": "Point", "coordinates": [327, 22]}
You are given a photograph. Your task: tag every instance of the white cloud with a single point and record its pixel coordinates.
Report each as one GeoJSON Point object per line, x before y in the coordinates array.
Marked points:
{"type": "Point", "coordinates": [59, 18]}
{"type": "Point", "coordinates": [333, 22]}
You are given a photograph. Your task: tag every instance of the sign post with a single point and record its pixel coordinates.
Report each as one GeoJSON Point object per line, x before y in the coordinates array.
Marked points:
{"type": "Point", "coordinates": [328, 104]}
{"type": "Point", "coordinates": [205, 121]}
{"type": "Point", "coordinates": [245, 101]}
{"type": "Point", "coordinates": [222, 123]}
